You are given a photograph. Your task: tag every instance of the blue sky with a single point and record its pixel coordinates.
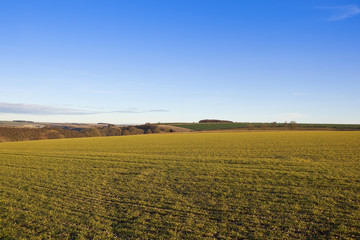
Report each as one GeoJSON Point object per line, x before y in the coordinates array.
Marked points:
{"type": "Point", "coordinates": [180, 60]}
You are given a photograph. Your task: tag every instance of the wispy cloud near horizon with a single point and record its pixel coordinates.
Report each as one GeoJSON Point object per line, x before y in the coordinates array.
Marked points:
{"type": "Point", "coordinates": [38, 109]}
{"type": "Point", "coordinates": [342, 12]}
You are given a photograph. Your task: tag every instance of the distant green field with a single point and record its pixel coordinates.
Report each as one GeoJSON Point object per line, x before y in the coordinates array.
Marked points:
{"type": "Point", "coordinates": [244, 125]}
{"type": "Point", "coordinates": [334, 126]}
{"type": "Point", "coordinates": [252, 185]}
{"type": "Point", "coordinates": [213, 126]}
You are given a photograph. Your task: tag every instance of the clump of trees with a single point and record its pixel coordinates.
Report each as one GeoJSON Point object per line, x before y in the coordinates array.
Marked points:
{"type": "Point", "coordinates": [150, 128]}
{"type": "Point", "coordinates": [273, 125]}
{"type": "Point", "coordinates": [292, 125]}
{"type": "Point", "coordinates": [23, 134]}
{"type": "Point", "coordinates": [214, 121]}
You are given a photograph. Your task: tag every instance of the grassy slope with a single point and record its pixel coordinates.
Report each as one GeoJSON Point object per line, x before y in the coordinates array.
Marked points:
{"type": "Point", "coordinates": [293, 185]}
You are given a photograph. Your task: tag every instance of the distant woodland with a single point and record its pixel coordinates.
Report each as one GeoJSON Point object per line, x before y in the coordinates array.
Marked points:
{"type": "Point", "coordinates": [214, 121]}
{"type": "Point", "coordinates": [10, 134]}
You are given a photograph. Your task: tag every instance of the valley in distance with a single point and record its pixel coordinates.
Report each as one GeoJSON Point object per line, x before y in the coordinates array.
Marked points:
{"type": "Point", "coordinates": [21, 130]}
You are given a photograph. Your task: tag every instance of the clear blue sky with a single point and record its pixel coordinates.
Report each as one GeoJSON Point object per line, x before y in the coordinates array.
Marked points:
{"type": "Point", "coordinates": [138, 61]}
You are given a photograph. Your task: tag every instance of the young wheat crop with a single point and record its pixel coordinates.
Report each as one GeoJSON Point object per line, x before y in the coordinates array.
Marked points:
{"type": "Point", "coordinates": [278, 185]}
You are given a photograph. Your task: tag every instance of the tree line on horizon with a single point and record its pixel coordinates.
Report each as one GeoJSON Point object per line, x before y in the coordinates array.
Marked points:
{"type": "Point", "coordinates": [11, 134]}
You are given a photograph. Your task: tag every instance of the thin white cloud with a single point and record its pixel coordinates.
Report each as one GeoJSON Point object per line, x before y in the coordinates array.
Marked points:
{"type": "Point", "coordinates": [339, 13]}
{"type": "Point", "coordinates": [138, 111]}
{"type": "Point", "coordinates": [38, 109]}
{"type": "Point", "coordinates": [158, 110]}
{"type": "Point", "coordinates": [23, 108]}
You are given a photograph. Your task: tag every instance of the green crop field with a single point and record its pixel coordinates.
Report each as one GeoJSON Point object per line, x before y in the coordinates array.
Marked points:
{"type": "Point", "coordinates": [252, 185]}
{"type": "Point", "coordinates": [212, 126]}
{"type": "Point", "coordinates": [244, 125]}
